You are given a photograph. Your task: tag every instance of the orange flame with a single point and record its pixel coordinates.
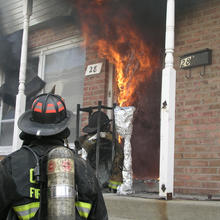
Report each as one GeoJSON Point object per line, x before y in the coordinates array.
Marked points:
{"type": "Point", "coordinates": [119, 139]}
{"type": "Point", "coordinates": [119, 41]}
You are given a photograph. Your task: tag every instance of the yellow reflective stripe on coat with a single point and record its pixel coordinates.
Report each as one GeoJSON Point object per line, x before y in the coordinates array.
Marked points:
{"type": "Point", "coordinates": [114, 184]}
{"type": "Point", "coordinates": [27, 211]}
{"type": "Point", "coordinates": [83, 208]}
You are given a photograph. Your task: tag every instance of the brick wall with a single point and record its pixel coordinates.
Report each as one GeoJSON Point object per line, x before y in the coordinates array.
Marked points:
{"type": "Point", "coordinates": [51, 33]}
{"type": "Point", "coordinates": [95, 86]}
{"type": "Point", "coordinates": [197, 146]}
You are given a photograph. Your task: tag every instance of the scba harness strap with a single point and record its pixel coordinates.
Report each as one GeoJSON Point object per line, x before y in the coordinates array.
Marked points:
{"type": "Point", "coordinates": [29, 210]}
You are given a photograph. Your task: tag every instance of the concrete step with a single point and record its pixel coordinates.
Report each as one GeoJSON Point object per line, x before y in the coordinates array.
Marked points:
{"type": "Point", "coordinates": [133, 208]}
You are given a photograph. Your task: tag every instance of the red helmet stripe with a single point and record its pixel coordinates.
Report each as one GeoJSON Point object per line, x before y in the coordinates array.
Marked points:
{"type": "Point", "coordinates": [50, 108]}
{"type": "Point", "coordinates": [37, 109]}
{"type": "Point", "coordinates": [50, 105]}
{"type": "Point", "coordinates": [50, 111]}
{"type": "Point", "coordinates": [33, 103]}
{"type": "Point", "coordinates": [61, 108]}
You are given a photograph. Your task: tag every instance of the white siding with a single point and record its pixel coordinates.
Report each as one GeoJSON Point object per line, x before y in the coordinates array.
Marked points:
{"type": "Point", "coordinates": [11, 13]}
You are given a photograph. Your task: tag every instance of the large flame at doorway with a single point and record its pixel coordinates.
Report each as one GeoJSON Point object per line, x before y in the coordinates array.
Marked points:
{"type": "Point", "coordinates": [119, 41]}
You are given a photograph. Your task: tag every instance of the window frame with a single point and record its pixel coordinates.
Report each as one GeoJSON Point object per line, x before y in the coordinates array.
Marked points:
{"type": "Point", "coordinates": [4, 149]}
{"type": "Point", "coordinates": [54, 47]}
{"type": "Point", "coordinates": [42, 51]}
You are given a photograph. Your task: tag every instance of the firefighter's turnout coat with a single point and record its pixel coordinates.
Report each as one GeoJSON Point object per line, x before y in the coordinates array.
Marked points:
{"type": "Point", "coordinates": [88, 142]}
{"type": "Point", "coordinates": [20, 193]}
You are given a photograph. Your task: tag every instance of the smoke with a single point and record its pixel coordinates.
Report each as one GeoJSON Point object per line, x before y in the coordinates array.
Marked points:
{"type": "Point", "coordinates": [148, 17]}
{"type": "Point", "coordinates": [10, 50]}
{"type": "Point", "coordinates": [10, 53]}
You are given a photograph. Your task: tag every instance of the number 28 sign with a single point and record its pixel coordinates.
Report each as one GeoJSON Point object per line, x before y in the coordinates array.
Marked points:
{"type": "Point", "coordinates": [93, 69]}
{"type": "Point", "coordinates": [198, 58]}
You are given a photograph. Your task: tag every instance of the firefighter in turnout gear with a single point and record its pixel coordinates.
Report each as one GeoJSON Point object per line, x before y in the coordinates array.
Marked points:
{"type": "Point", "coordinates": [110, 172]}
{"type": "Point", "coordinates": [23, 179]}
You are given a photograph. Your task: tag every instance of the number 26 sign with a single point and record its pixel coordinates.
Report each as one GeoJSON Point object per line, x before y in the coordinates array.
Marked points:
{"type": "Point", "coordinates": [93, 69]}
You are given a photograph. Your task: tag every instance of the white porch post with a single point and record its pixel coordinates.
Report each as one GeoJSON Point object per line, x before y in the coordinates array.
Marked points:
{"type": "Point", "coordinates": [21, 98]}
{"type": "Point", "coordinates": [167, 129]}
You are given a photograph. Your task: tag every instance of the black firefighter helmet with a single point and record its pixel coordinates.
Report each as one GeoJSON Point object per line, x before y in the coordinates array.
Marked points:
{"type": "Point", "coordinates": [93, 120]}
{"type": "Point", "coordinates": [47, 116]}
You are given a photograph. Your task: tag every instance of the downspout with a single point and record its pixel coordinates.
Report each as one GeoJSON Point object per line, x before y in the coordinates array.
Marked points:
{"type": "Point", "coordinates": [21, 97]}
{"type": "Point", "coordinates": [167, 129]}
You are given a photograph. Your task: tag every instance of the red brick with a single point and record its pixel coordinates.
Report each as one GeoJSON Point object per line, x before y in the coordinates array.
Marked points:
{"type": "Point", "coordinates": [214, 163]}
{"type": "Point", "coordinates": [181, 163]}
{"type": "Point", "coordinates": [196, 191]}
{"type": "Point", "coordinates": [178, 170]}
{"type": "Point", "coordinates": [183, 122]}
{"type": "Point", "coordinates": [201, 170]}
{"type": "Point", "coordinates": [178, 155]}
{"type": "Point", "coordinates": [214, 149]}
{"type": "Point", "coordinates": [215, 178]}
{"type": "Point", "coordinates": [190, 142]}
{"type": "Point", "coordinates": [209, 155]}
{"type": "Point", "coordinates": [212, 185]}
{"type": "Point", "coordinates": [183, 177]}
{"type": "Point", "coordinates": [199, 163]}
{"type": "Point", "coordinates": [201, 177]}
{"type": "Point", "coordinates": [178, 183]}
{"type": "Point", "coordinates": [193, 184]}
{"type": "Point", "coordinates": [190, 155]}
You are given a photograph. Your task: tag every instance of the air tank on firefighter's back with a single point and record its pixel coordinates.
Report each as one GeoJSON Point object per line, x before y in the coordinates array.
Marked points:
{"type": "Point", "coordinates": [61, 184]}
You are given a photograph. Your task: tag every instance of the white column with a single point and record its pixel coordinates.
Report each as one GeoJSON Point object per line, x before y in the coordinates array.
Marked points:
{"type": "Point", "coordinates": [21, 98]}
{"type": "Point", "coordinates": [167, 129]}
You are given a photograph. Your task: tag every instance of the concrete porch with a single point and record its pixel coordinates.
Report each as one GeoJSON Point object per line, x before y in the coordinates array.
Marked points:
{"type": "Point", "coordinates": [136, 208]}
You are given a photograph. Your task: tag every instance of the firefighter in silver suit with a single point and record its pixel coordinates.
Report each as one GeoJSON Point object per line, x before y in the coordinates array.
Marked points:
{"type": "Point", "coordinates": [110, 172]}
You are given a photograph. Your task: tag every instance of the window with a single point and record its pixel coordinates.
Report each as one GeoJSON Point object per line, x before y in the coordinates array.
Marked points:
{"type": "Point", "coordinates": [62, 65]}
{"type": "Point", "coordinates": [6, 122]}
{"type": "Point", "coordinates": [8, 92]}
{"type": "Point", "coordinates": [10, 60]}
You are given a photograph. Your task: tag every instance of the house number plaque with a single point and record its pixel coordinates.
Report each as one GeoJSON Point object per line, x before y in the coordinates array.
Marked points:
{"type": "Point", "coordinates": [93, 69]}
{"type": "Point", "coordinates": [199, 58]}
